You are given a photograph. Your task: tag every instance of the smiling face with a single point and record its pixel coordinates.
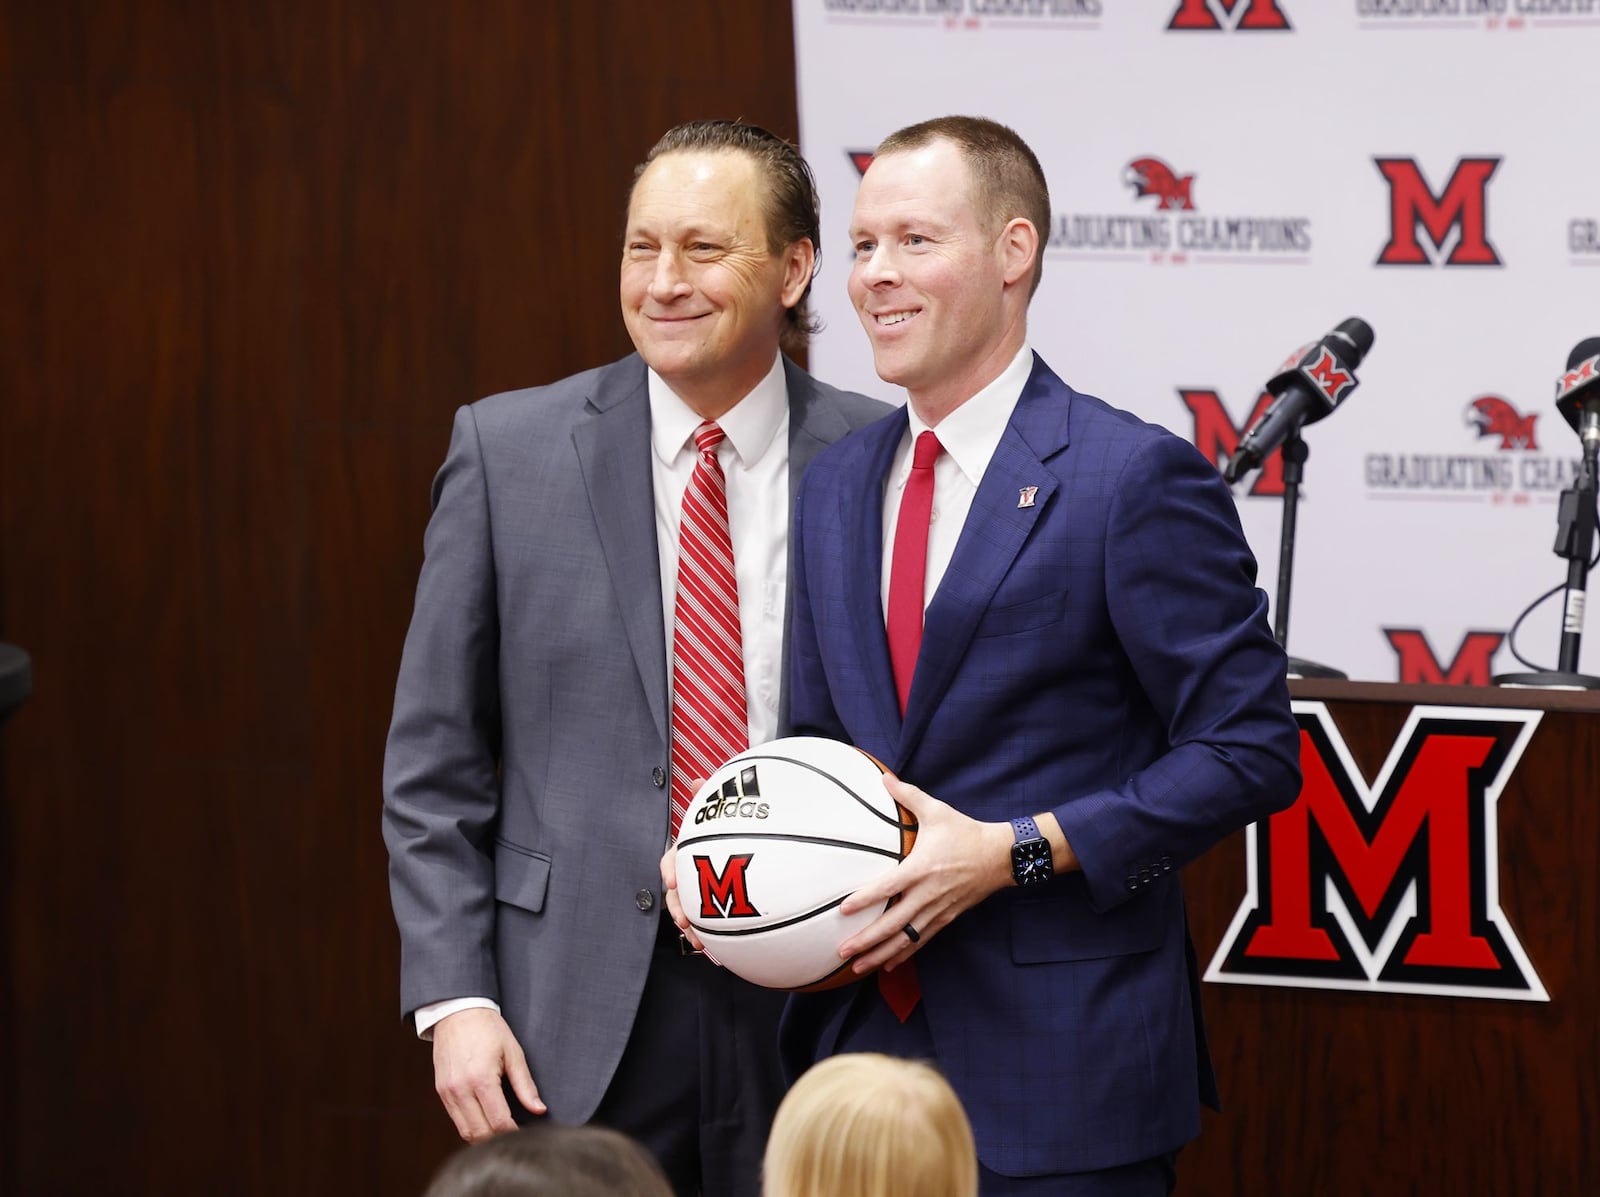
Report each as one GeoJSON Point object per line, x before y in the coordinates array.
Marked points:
{"type": "Point", "coordinates": [943, 298]}
{"type": "Point", "coordinates": [703, 295]}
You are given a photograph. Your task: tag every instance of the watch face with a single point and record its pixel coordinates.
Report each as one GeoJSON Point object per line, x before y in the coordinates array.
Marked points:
{"type": "Point", "coordinates": [1030, 861]}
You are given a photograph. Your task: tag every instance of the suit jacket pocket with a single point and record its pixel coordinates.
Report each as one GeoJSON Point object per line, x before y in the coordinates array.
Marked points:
{"type": "Point", "coordinates": [1067, 929]}
{"type": "Point", "coordinates": [521, 876]}
{"type": "Point", "coordinates": [1024, 616]}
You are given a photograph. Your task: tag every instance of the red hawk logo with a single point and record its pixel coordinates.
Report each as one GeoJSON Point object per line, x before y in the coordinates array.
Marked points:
{"type": "Point", "coordinates": [1240, 15]}
{"type": "Point", "coordinates": [1392, 887]}
{"type": "Point", "coordinates": [1459, 213]}
{"type": "Point", "coordinates": [1493, 416]}
{"type": "Point", "coordinates": [1151, 176]}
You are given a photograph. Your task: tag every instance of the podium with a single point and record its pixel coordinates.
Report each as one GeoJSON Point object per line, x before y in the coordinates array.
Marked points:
{"type": "Point", "coordinates": [1412, 1005]}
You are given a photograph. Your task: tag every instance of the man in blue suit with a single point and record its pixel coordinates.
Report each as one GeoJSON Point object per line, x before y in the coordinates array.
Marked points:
{"type": "Point", "coordinates": [1077, 663]}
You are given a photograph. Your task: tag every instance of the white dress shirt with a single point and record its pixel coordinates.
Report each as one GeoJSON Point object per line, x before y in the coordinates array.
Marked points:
{"type": "Point", "coordinates": [970, 435]}
{"type": "Point", "coordinates": [755, 461]}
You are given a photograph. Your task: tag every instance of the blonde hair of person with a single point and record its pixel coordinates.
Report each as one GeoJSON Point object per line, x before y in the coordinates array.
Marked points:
{"type": "Point", "coordinates": [867, 1125]}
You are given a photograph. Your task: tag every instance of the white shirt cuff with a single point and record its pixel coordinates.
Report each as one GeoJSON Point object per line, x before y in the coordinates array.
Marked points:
{"type": "Point", "coordinates": [427, 1015]}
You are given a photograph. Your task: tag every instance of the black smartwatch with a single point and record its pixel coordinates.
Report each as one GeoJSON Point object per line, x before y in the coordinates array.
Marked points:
{"type": "Point", "coordinates": [1030, 854]}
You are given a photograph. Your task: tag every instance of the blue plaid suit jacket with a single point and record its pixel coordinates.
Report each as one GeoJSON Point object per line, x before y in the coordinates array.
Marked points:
{"type": "Point", "coordinates": [1103, 654]}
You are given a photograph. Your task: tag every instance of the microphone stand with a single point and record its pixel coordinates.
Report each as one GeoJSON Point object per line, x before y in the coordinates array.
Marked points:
{"type": "Point", "coordinates": [1295, 453]}
{"type": "Point", "coordinates": [1575, 527]}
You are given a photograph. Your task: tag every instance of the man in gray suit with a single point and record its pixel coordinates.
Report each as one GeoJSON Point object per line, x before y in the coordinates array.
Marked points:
{"type": "Point", "coordinates": [527, 780]}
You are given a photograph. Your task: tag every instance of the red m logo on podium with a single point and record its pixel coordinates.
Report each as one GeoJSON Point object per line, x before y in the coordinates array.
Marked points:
{"type": "Point", "coordinates": [1392, 888]}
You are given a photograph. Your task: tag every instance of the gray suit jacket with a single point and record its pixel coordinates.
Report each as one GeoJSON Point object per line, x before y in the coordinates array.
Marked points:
{"type": "Point", "coordinates": [525, 784]}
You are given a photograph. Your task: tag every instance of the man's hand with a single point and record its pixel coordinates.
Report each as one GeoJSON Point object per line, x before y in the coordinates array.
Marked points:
{"type": "Point", "coordinates": [472, 1050]}
{"type": "Point", "coordinates": [955, 863]}
{"type": "Point", "coordinates": [669, 887]}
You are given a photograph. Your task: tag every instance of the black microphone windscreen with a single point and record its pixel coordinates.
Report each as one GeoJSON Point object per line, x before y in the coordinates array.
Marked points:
{"type": "Point", "coordinates": [1583, 350]}
{"type": "Point", "coordinates": [1359, 333]}
{"type": "Point", "coordinates": [1576, 387]}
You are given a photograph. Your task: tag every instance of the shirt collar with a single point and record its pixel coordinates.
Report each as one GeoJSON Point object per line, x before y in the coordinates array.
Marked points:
{"type": "Point", "coordinates": [750, 424]}
{"type": "Point", "coordinates": [971, 433]}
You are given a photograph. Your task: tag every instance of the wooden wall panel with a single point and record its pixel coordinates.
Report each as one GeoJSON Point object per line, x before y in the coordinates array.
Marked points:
{"type": "Point", "coordinates": [255, 255]}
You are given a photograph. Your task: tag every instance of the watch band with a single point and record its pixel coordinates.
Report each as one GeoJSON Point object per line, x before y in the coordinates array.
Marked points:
{"type": "Point", "coordinates": [1030, 853]}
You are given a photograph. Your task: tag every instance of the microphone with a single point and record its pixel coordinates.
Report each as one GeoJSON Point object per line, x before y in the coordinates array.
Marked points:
{"type": "Point", "coordinates": [1578, 392]}
{"type": "Point", "coordinates": [1306, 388]}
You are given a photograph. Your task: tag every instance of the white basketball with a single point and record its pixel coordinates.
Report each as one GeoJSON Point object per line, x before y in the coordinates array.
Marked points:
{"type": "Point", "coordinates": [769, 847]}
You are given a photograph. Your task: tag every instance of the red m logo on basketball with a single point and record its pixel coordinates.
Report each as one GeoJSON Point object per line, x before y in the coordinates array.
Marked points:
{"type": "Point", "coordinates": [1217, 436]}
{"type": "Point", "coordinates": [1392, 887]}
{"type": "Point", "coordinates": [1229, 14]}
{"type": "Point", "coordinates": [1418, 665]}
{"type": "Point", "coordinates": [1459, 213]}
{"type": "Point", "coordinates": [724, 896]}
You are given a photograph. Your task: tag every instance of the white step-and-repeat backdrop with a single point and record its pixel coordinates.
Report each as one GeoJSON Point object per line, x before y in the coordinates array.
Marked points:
{"type": "Point", "coordinates": [1232, 178]}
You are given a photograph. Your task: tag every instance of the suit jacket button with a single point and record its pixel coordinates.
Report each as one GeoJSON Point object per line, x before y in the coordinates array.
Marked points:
{"type": "Point", "coordinates": [659, 776]}
{"type": "Point", "coordinates": [644, 899]}
{"type": "Point", "coordinates": [1133, 882]}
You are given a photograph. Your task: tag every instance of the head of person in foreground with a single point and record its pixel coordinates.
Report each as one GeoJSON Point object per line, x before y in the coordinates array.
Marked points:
{"type": "Point", "coordinates": [867, 1125]}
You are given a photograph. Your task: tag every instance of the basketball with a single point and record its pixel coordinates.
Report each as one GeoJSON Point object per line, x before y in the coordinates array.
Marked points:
{"type": "Point", "coordinates": [772, 843]}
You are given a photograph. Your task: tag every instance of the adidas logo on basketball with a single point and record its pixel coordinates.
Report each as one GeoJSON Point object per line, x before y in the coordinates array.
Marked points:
{"type": "Point", "coordinates": [736, 799]}
{"type": "Point", "coordinates": [730, 808]}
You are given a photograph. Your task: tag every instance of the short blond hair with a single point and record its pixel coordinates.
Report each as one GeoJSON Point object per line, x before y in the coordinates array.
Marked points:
{"type": "Point", "coordinates": [867, 1125]}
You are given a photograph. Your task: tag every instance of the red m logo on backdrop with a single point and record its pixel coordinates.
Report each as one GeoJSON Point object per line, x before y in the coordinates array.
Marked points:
{"type": "Point", "coordinates": [1460, 213]}
{"type": "Point", "coordinates": [1418, 665]}
{"type": "Point", "coordinates": [1392, 888]}
{"type": "Point", "coordinates": [724, 896]}
{"type": "Point", "coordinates": [1217, 436]}
{"type": "Point", "coordinates": [1229, 14]}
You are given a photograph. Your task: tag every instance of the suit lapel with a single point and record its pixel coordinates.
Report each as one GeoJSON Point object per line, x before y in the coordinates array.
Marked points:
{"type": "Point", "coordinates": [861, 525]}
{"type": "Point", "coordinates": [997, 527]}
{"type": "Point", "coordinates": [613, 445]}
{"type": "Point", "coordinates": [813, 425]}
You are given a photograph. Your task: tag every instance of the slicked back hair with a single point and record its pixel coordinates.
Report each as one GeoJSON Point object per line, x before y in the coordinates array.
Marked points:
{"type": "Point", "coordinates": [1006, 176]}
{"type": "Point", "coordinates": [789, 200]}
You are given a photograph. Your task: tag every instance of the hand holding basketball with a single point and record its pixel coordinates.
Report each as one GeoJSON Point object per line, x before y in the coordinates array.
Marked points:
{"type": "Point", "coordinates": [669, 888]}
{"type": "Point", "coordinates": [956, 863]}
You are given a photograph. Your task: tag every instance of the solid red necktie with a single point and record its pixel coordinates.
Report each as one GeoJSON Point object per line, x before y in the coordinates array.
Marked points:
{"type": "Point", "coordinates": [709, 724]}
{"type": "Point", "coordinates": [909, 565]}
{"type": "Point", "coordinates": [907, 585]}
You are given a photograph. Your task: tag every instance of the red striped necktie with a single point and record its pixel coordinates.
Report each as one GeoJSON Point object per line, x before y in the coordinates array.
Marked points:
{"type": "Point", "coordinates": [907, 581]}
{"type": "Point", "coordinates": [709, 724]}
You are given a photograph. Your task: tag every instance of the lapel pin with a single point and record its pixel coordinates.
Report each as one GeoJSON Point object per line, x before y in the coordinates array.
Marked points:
{"type": "Point", "coordinates": [1025, 496]}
